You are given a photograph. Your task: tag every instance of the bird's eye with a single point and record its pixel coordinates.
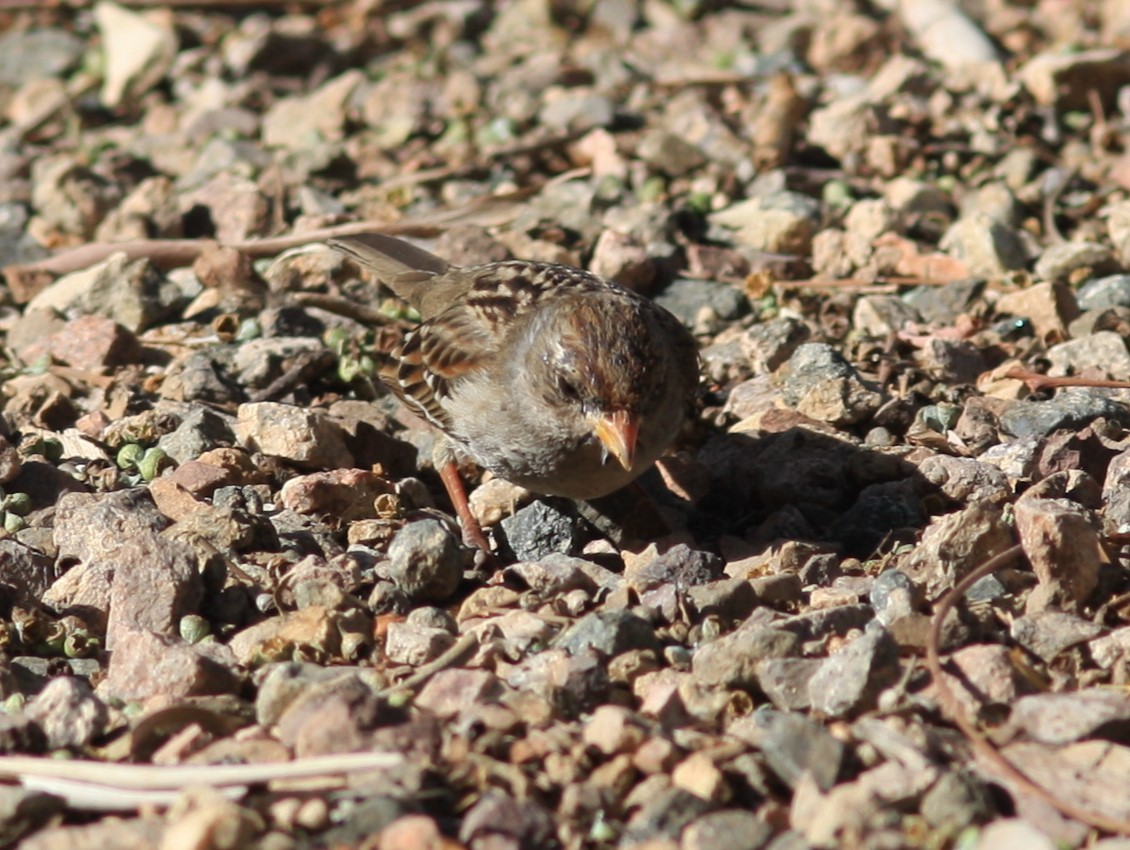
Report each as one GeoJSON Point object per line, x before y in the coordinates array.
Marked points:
{"type": "Point", "coordinates": [567, 388]}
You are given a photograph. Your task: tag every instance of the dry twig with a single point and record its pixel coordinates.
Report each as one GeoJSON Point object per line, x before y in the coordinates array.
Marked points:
{"type": "Point", "coordinates": [981, 745]}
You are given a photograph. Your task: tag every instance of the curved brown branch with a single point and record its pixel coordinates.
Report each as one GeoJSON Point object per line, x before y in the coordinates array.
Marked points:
{"type": "Point", "coordinates": [981, 745]}
{"type": "Point", "coordinates": [1036, 381]}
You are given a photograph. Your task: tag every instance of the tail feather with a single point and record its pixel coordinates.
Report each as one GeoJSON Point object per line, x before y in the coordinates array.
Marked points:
{"type": "Point", "coordinates": [397, 263]}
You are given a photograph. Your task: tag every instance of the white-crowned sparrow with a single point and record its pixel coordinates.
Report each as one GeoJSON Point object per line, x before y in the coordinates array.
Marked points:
{"type": "Point", "coordinates": [547, 375]}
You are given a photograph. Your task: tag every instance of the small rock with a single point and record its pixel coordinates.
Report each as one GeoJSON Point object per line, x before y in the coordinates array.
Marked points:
{"type": "Point", "coordinates": [782, 223]}
{"type": "Point", "coordinates": [155, 582]}
{"type": "Point", "coordinates": [881, 315]}
{"type": "Point", "coordinates": [306, 438]}
{"type": "Point", "coordinates": [793, 745]}
{"type": "Point", "coordinates": [139, 51]}
{"type": "Point", "coordinates": [608, 634]}
{"type": "Point", "coordinates": [850, 679]}
{"type": "Point", "coordinates": [68, 712]}
{"type": "Point", "coordinates": [1013, 834]}
{"type": "Point", "coordinates": [1105, 292]}
{"type": "Point", "coordinates": [731, 661]}
{"type": "Point", "coordinates": [817, 382]}
{"type": "Point", "coordinates": [941, 305]}
{"type": "Point", "coordinates": [687, 299]}
{"type": "Point", "coordinates": [964, 479]}
{"type": "Point", "coordinates": [1071, 408]}
{"type": "Point", "coordinates": [1050, 307]}
{"type": "Point", "coordinates": [451, 693]}
{"type": "Point", "coordinates": [425, 561]}
{"type": "Point", "coordinates": [1061, 540]}
{"type": "Point", "coordinates": [987, 247]}
{"type": "Point", "coordinates": [1099, 354]}
{"type": "Point", "coordinates": [415, 645]}
{"type": "Point", "coordinates": [91, 342]}
{"type": "Point", "coordinates": [346, 494]}
{"type": "Point", "coordinates": [1059, 260]}
{"type": "Point", "coordinates": [1063, 718]}
{"type": "Point", "coordinates": [144, 665]}
{"type": "Point", "coordinates": [954, 544]}
{"type": "Point", "coordinates": [1048, 633]}
{"type": "Point", "coordinates": [541, 529]}
{"type": "Point", "coordinates": [133, 294]}
{"type": "Point", "coordinates": [312, 629]}
{"type": "Point", "coordinates": [786, 681]}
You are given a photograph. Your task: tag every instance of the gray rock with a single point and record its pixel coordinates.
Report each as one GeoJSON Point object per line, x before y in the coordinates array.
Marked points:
{"type": "Point", "coordinates": [37, 54]}
{"type": "Point", "coordinates": [425, 561]}
{"type": "Point", "coordinates": [987, 247]}
{"type": "Point", "coordinates": [133, 294]}
{"type": "Point", "coordinates": [731, 661]}
{"type": "Point", "coordinates": [793, 745]}
{"type": "Point", "coordinates": [665, 815]}
{"type": "Point", "coordinates": [607, 633]}
{"type": "Point", "coordinates": [1104, 292]}
{"type": "Point", "coordinates": [1059, 260]}
{"type": "Point", "coordinates": [540, 529]}
{"type": "Point", "coordinates": [729, 829]}
{"type": "Point", "coordinates": [850, 679]}
{"type": "Point", "coordinates": [1103, 352]}
{"type": "Point", "coordinates": [818, 382]}
{"type": "Point", "coordinates": [817, 624]}
{"type": "Point", "coordinates": [881, 315]}
{"type": "Point", "coordinates": [201, 430]}
{"type": "Point", "coordinates": [893, 595]}
{"type": "Point", "coordinates": [956, 800]}
{"type": "Point", "coordinates": [687, 298]}
{"type": "Point", "coordinates": [1072, 408]}
{"type": "Point", "coordinates": [786, 681]}
{"type": "Point", "coordinates": [26, 571]}
{"type": "Point", "coordinates": [680, 566]}
{"type": "Point", "coordinates": [943, 304]}
{"type": "Point", "coordinates": [1049, 633]}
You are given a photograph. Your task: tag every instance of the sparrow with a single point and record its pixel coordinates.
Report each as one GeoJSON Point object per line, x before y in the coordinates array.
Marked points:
{"type": "Point", "coordinates": [549, 376]}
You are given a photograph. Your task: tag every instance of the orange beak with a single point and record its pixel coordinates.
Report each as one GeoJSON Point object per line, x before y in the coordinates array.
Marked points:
{"type": "Point", "coordinates": [617, 432]}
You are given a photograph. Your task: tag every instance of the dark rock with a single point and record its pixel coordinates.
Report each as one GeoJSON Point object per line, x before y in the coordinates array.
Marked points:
{"type": "Point", "coordinates": [541, 529]}
{"type": "Point", "coordinates": [679, 566]}
{"type": "Point", "coordinates": [1070, 409]}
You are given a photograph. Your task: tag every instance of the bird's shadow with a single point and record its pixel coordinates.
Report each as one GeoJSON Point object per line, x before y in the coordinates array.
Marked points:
{"type": "Point", "coordinates": [796, 484]}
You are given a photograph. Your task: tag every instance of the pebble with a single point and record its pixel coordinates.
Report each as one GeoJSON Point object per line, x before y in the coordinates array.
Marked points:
{"type": "Point", "coordinates": [425, 561]}
{"type": "Point", "coordinates": [541, 529]}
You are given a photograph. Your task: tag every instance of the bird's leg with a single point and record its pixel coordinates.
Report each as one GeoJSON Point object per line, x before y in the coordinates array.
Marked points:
{"type": "Point", "coordinates": [453, 482]}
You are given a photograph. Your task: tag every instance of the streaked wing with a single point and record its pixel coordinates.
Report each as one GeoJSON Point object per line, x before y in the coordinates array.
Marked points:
{"type": "Point", "coordinates": [466, 336]}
